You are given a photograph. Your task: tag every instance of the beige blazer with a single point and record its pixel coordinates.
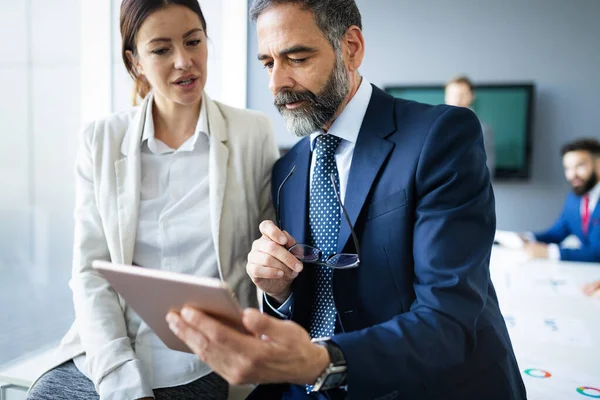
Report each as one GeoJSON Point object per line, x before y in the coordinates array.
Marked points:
{"type": "Point", "coordinates": [242, 153]}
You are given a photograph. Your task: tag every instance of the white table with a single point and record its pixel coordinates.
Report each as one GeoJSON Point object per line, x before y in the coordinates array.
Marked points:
{"type": "Point", "coordinates": [553, 326]}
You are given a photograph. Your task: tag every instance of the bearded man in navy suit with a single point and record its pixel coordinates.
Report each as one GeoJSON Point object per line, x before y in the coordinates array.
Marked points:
{"type": "Point", "coordinates": [580, 216]}
{"type": "Point", "coordinates": [380, 249]}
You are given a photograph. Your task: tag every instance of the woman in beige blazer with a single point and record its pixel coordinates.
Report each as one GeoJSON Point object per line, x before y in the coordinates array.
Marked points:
{"type": "Point", "coordinates": [179, 183]}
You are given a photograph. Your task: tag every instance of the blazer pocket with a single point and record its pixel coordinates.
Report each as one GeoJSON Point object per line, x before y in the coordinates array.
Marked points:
{"type": "Point", "coordinates": [389, 203]}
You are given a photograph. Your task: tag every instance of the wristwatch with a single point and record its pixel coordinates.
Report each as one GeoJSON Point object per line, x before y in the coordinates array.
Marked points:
{"type": "Point", "coordinates": [336, 372]}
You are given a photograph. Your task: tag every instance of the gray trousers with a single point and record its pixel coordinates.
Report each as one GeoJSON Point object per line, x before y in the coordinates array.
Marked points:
{"type": "Point", "coordinates": [66, 382]}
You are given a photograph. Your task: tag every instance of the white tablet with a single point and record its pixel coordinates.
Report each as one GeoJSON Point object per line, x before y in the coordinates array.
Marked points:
{"type": "Point", "coordinates": [153, 293]}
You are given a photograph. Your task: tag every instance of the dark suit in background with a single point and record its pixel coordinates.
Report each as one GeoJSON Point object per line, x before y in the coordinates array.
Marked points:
{"type": "Point", "coordinates": [569, 223]}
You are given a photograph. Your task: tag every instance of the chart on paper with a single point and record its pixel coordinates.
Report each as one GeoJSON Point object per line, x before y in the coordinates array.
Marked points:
{"type": "Point", "coordinates": [545, 382]}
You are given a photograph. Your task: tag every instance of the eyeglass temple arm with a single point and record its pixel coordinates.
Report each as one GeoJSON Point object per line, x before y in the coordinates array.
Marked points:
{"type": "Point", "coordinates": [337, 194]}
{"type": "Point", "coordinates": [278, 216]}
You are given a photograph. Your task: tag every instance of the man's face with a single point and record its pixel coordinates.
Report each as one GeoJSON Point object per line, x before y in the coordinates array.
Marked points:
{"type": "Point", "coordinates": [459, 95]}
{"type": "Point", "coordinates": [580, 171]}
{"type": "Point", "coordinates": [308, 79]}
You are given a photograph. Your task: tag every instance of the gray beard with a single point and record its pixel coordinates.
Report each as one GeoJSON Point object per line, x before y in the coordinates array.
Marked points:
{"type": "Point", "coordinates": [317, 109]}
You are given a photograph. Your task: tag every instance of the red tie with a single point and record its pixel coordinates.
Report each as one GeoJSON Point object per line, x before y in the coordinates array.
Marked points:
{"type": "Point", "coordinates": [585, 217]}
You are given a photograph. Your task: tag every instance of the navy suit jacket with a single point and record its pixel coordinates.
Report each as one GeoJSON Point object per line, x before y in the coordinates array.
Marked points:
{"type": "Point", "coordinates": [419, 318]}
{"type": "Point", "coordinates": [569, 223]}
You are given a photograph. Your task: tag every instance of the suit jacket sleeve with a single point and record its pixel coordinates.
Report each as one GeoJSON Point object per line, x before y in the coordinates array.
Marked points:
{"type": "Point", "coordinates": [587, 253]}
{"type": "Point", "coordinates": [558, 232]}
{"type": "Point", "coordinates": [453, 235]}
{"type": "Point", "coordinates": [110, 360]}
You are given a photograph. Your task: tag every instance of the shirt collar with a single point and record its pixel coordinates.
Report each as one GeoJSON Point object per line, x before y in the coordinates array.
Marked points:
{"type": "Point", "coordinates": [157, 146]}
{"type": "Point", "coordinates": [347, 125]}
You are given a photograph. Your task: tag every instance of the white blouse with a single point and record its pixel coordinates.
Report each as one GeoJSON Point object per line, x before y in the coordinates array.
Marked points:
{"type": "Point", "coordinates": [173, 234]}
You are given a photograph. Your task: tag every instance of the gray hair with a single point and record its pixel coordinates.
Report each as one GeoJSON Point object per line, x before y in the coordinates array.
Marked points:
{"type": "Point", "coordinates": [333, 17]}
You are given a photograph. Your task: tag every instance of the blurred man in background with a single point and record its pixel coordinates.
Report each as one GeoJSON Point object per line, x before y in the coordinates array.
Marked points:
{"type": "Point", "coordinates": [580, 216]}
{"type": "Point", "coordinates": [460, 93]}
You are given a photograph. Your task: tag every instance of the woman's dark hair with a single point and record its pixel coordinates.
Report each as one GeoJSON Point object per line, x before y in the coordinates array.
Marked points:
{"type": "Point", "coordinates": [133, 15]}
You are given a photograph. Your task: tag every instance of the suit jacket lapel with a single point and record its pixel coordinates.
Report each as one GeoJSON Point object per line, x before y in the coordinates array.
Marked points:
{"type": "Point", "coordinates": [594, 216]}
{"type": "Point", "coordinates": [294, 210]}
{"type": "Point", "coordinates": [127, 171]}
{"type": "Point", "coordinates": [218, 159]}
{"type": "Point", "coordinates": [294, 215]}
{"type": "Point", "coordinates": [370, 152]}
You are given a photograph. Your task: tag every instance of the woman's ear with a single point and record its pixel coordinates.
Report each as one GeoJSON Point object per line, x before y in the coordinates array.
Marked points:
{"type": "Point", "coordinates": [135, 62]}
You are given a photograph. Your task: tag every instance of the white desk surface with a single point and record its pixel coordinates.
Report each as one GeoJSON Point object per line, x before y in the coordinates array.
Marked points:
{"type": "Point", "coordinates": [553, 326]}
{"type": "Point", "coordinates": [527, 301]}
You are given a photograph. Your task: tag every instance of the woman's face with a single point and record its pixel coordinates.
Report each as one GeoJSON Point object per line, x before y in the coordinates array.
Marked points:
{"type": "Point", "coordinates": [172, 54]}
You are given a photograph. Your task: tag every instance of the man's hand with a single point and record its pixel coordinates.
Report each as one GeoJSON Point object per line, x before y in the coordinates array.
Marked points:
{"type": "Point", "coordinates": [270, 265]}
{"type": "Point", "coordinates": [592, 289]}
{"type": "Point", "coordinates": [275, 352]}
{"type": "Point", "coordinates": [536, 250]}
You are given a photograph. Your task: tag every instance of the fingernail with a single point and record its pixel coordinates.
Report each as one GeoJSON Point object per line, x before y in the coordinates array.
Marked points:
{"type": "Point", "coordinates": [298, 267]}
{"type": "Point", "coordinates": [294, 274]}
{"type": "Point", "coordinates": [279, 274]}
{"type": "Point", "coordinates": [186, 314]}
{"type": "Point", "coordinates": [170, 318]}
{"type": "Point", "coordinates": [282, 239]}
{"type": "Point", "coordinates": [173, 327]}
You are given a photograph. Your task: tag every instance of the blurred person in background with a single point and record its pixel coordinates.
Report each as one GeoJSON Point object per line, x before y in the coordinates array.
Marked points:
{"type": "Point", "coordinates": [459, 92]}
{"type": "Point", "coordinates": [179, 183]}
{"type": "Point", "coordinates": [580, 215]}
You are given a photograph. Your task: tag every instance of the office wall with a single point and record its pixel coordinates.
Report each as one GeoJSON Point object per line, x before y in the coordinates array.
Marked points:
{"type": "Point", "coordinates": [39, 115]}
{"type": "Point", "coordinates": [39, 121]}
{"type": "Point", "coordinates": [553, 43]}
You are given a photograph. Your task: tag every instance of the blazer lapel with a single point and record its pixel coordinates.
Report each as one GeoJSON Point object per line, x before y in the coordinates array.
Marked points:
{"type": "Point", "coordinates": [217, 175]}
{"type": "Point", "coordinates": [594, 217]}
{"type": "Point", "coordinates": [370, 152]}
{"type": "Point", "coordinates": [128, 173]}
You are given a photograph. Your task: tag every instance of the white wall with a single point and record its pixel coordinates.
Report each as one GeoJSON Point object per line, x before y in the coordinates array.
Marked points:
{"type": "Point", "coordinates": [39, 116]}
{"type": "Point", "coordinates": [39, 120]}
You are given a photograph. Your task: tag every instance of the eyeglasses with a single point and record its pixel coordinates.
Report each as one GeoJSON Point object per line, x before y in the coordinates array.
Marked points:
{"type": "Point", "coordinates": [312, 255]}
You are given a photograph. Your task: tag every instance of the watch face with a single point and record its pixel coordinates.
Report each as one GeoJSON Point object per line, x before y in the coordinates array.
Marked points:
{"type": "Point", "coordinates": [334, 380]}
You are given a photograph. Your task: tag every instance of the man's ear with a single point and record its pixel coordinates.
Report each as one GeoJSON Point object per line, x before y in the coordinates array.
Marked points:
{"type": "Point", "coordinates": [596, 160]}
{"type": "Point", "coordinates": [353, 47]}
{"type": "Point", "coordinates": [135, 62]}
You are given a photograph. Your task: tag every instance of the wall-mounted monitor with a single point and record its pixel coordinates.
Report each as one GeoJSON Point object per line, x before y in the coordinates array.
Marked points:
{"type": "Point", "coordinates": [507, 109]}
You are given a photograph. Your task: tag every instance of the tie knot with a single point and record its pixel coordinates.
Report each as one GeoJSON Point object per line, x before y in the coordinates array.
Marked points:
{"type": "Point", "coordinates": [326, 145]}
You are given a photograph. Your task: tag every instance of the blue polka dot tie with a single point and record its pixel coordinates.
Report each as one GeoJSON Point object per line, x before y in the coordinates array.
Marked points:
{"type": "Point", "coordinates": [324, 221]}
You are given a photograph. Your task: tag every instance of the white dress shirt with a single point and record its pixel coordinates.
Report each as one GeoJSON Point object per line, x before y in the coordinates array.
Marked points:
{"type": "Point", "coordinates": [346, 126]}
{"type": "Point", "coordinates": [553, 248]}
{"type": "Point", "coordinates": [172, 235]}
